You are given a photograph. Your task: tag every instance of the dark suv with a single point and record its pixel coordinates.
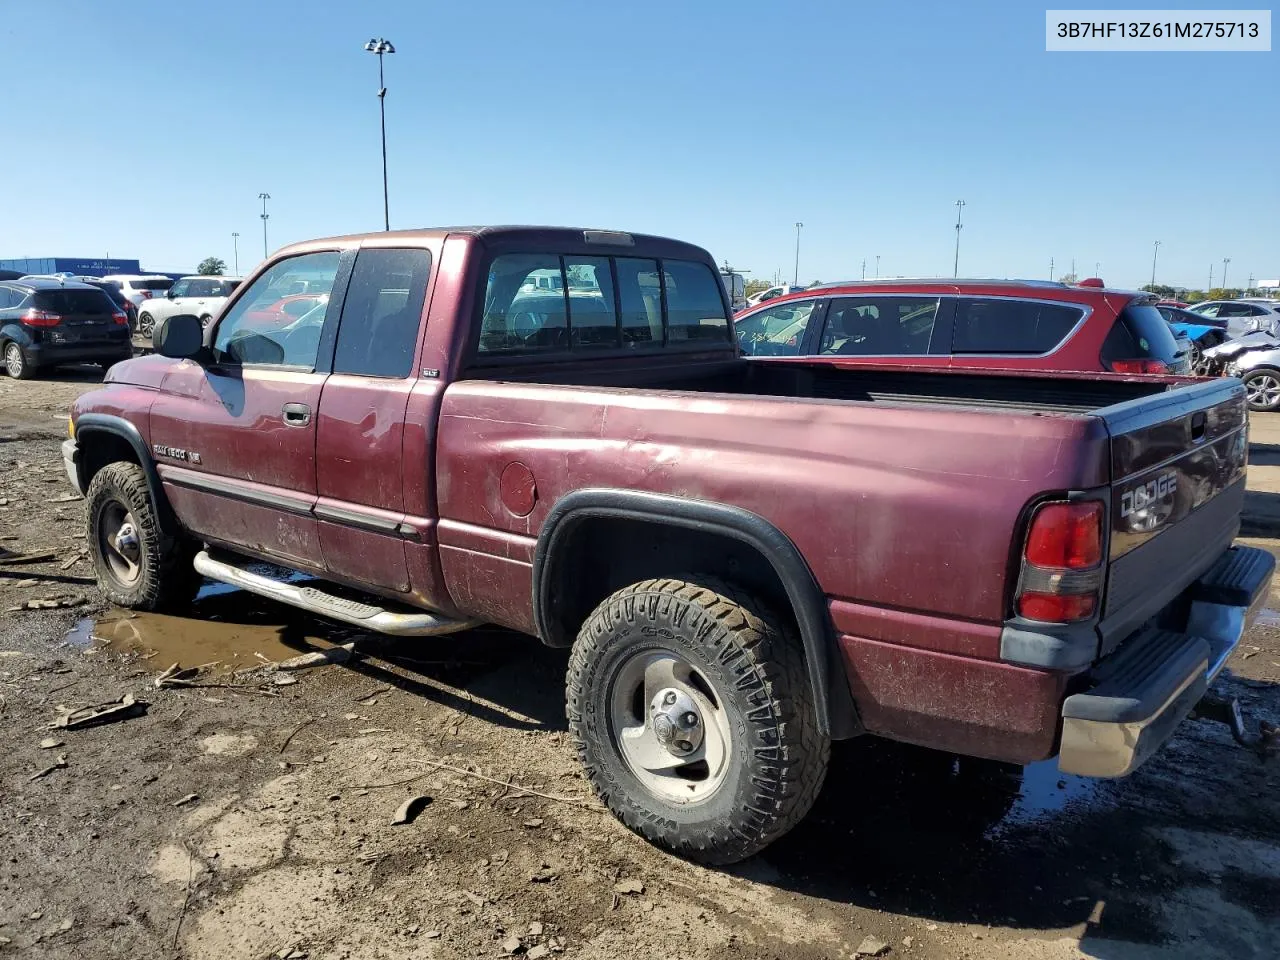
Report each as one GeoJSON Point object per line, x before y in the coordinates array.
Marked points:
{"type": "Point", "coordinates": [984, 324]}
{"type": "Point", "coordinates": [45, 322]}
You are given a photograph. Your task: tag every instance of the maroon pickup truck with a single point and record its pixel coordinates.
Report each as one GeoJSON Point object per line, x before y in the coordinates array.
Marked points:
{"type": "Point", "coordinates": [553, 430]}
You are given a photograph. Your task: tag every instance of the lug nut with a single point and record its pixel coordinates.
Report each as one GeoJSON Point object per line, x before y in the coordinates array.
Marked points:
{"type": "Point", "coordinates": [670, 698]}
{"type": "Point", "coordinates": [690, 719]}
{"type": "Point", "coordinates": [684, 746]}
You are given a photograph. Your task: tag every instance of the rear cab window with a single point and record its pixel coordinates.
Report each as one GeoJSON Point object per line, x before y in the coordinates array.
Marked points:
{"type": "Point", "coordinates": [546, 303]}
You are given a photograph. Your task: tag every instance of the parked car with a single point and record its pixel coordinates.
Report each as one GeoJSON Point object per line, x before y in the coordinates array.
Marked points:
{"type": "Point", "coordinates": [989, 324]}
{"type": "Point", "coordinates": [46, 322]}
{"type": "Point", "coordinates": [202, 296]}
{"type": "Point", "coordinates": [1242, 316]}
{"type": "Point", "coordinates": [1202, 333]}
{"type": "Point", "coordinates": [781, 290]}
{"type": "Point", "coordinates": [141, 287]}
{"type": "Point", "coordinates": [276, 314]}
{"type": "Point", "coordinates": [1255, 359]}
{"type": "Point", "coordinates": [116, 293]}
{"type": "Point", "coordinates": [748, 557]}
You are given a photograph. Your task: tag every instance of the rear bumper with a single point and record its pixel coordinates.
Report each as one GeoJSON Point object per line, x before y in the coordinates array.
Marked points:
{"type": "Point", "coordinates": [45, 353]}
{"type": "Point", "coordinates": [1141, 693]}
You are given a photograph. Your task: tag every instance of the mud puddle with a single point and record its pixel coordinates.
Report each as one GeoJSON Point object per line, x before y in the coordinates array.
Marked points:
{"type": "Point", "coordinates": [226, 628]}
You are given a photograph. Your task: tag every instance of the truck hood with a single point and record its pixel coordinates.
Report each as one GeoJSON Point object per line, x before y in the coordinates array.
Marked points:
{"type": "Point", "coordinates": [146, 371]}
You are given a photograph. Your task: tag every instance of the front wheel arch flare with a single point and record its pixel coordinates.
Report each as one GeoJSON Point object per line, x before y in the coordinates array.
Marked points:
{"type": "Point", "coordinates": [836, 712]}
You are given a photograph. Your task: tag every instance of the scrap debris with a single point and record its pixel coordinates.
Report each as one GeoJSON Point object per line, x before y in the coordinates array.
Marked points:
{"type": "Point", "coordinates": [318, 658]}
{"type": "Point", "coordinates": [58, 764]}
{"type": "Point", "coordinates": [408, 811]}
{"type": "Point", "coordinates": [123, 709]}
{"type": "Point", "coordinates": [175, 676]}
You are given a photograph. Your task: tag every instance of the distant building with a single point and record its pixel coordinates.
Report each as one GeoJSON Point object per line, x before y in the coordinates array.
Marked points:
{"type": "Point", "coordinates": [1268, 286]}
{"type": "Point", "coordinates": [81, 266]}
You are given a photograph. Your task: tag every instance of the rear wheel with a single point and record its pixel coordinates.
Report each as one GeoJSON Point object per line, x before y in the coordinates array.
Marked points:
{"type": "Point", "coordinates": [146, 324]}
{"type": "Point", "coordinates": [1263, 387]}
{"type": "Point", "coordinates": [205, 321]}
{"type": "Point", "coordinates": [137, 565]}
{"type": "Point", "coordinates": [16, 363]}
{"type": "Point", "coordinates": [692, 717]}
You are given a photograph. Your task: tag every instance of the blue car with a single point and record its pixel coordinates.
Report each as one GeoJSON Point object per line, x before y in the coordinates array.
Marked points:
{"type": "Point", "coordinates": [1201, 333]}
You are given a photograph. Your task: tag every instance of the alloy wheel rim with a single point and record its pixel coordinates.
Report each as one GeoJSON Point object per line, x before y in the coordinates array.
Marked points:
{"type": "Point", "coordinates": [13, 359]}
{"type": "Point", "coordinates": [670, 726]}
{"type": "Point", "coordinates": [1264, 391]}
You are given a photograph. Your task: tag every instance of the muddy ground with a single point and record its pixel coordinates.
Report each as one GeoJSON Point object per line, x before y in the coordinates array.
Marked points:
{"type": "Point", "coordinates": [250, 816]}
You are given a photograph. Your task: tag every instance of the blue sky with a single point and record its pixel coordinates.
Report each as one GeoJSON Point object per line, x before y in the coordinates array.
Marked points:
{"type": "Point", "coordinates": [149, 132]}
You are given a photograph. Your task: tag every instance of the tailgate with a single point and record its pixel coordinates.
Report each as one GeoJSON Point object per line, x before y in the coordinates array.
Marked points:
{"type": "Point", "coordinates": [1177, 485]}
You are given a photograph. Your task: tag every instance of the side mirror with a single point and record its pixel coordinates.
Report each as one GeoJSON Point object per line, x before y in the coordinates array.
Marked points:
{"type": "Point", "coordinates": [169, 294]}
{"type": "Point", "coordinates": [180, 337]}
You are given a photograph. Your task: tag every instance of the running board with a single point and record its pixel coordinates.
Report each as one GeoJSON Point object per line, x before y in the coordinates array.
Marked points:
{"type": "Point", "coordinates": [419, 623]}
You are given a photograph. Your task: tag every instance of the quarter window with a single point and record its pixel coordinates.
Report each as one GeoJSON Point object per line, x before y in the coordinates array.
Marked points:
{"type": "Point", "coordinates": [1011, 326]}
{"type": "Point", "coordinates": [776, 332]}
{"type": "Point", "coordinates": [382, 313]}
{"type": "Point", "coordinates": [252, 330]}
{"type": "Point", "coordinates": [879, 326]}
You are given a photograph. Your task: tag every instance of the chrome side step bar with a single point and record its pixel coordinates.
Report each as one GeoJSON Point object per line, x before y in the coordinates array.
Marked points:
{"type": "Point", "coordinates": [419, 623]}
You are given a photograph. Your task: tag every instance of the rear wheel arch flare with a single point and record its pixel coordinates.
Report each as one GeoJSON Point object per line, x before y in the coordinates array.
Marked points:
{"type": "Point", "coordinates": [559, 609]}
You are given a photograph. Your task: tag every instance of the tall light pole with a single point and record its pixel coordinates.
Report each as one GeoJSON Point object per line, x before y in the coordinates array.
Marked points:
{"type": "Point", "coordinates": [864, 268]}
{"type": "Point", "coordinates": [380, 47]}
{"type": "Point", "coordinates": [1210, 287]}
{"type": "Point", "coordinates": [959, 209]}
{"type": "Point", "coordinates": [1225, 261]}
{"type": "Point", "coordinates": [877, 266]}
{"type": "Point", "coordinates": [1154, 253]}
{"type": "Point", "coordinates": [235, 241]}
{"type": "Point", "coordinates": [796, 280]}
{"type": "Point", "coordinates": [1097, 268]}
{"type": "Point", "coordinates": [264, 197]}
{"type": "Point", "coordinates": [1051, 269]}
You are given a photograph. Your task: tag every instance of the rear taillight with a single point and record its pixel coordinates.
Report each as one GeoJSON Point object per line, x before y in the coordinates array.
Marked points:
{"type": "Point", "coordinates": [1062, 562]}
{"type": "Point", "coordinates": [40, 318]}
{"type": "Point", "coordinates": [120, 317]}
{"type": "Point", "coordinates": [1139, 366]}
{"type": "Point", "coordinates": [146, 294]}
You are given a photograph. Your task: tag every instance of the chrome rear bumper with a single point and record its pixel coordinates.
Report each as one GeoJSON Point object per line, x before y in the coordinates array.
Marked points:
{"type": "Point", "coordinates": [1144, 690]}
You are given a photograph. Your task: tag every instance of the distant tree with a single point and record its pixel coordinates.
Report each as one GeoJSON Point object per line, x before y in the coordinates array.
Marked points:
{"type": "Point", "coordinates": [757, 286]}
{"type": "Point", "coordinates": [1068, 278]}
{"type": "Point", "coordinates": [212, 267]}
{"type": "Point", "coordinates": [1161, 290]}
{"type": "Point", "coordinates": [1193, 296]}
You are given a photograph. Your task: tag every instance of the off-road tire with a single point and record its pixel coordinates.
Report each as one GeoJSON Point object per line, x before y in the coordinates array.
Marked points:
{"type": "Point", "coordinates": [756, 669]}
{"type": "Point", "coordinates": [167, 578]}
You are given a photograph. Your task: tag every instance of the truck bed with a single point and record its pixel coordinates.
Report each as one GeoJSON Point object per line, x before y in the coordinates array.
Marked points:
{"type": "Point", "coordinates": [1038, 392]}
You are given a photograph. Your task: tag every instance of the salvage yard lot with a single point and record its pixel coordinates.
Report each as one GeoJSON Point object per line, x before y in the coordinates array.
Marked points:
{"type": "Point", "coordinates": [288, 847]}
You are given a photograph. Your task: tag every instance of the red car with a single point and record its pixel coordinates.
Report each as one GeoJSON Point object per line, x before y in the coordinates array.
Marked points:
{"type": "Point", "coordinates": [275, 314]}
{"type": "Point", "coordinates": [976, 324]}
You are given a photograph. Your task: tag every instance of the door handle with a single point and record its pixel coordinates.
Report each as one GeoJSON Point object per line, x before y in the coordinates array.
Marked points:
{"type": "Point", "coordinates": [296, 414]}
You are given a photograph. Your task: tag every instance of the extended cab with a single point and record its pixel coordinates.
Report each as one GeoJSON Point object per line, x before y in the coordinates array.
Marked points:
{"type": "Point", "coordinates": [553, 430]}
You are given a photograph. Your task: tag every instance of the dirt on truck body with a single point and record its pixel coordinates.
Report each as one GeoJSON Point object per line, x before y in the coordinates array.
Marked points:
{"type": "Point", "coordinates": [552, 431]}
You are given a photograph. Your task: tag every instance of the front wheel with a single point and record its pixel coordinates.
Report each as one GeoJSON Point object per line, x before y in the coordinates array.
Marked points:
{"type": "Point", "coordinates": [136, 563]}
{"type": "Point", "coordinates": [692, 717]}
{"type": "Point", "coordinates": [1263, 389]}
{"type": "Point", "coordinates": [16, 364]}
{"type": "Point", "coordinates": [146, 324]}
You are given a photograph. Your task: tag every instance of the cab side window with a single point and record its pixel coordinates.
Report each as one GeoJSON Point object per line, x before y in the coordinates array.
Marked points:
{"type": "Point", "coordinates": [180, 288]}
{"type": "Point", "coordinates": [382, 313]}
{"type": "Point", "coordinates": [251, 332]}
